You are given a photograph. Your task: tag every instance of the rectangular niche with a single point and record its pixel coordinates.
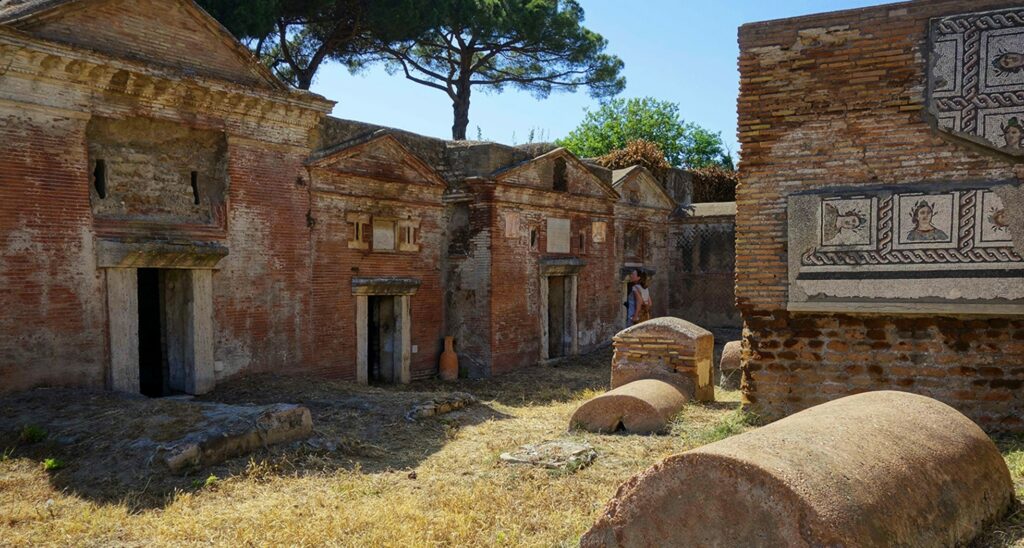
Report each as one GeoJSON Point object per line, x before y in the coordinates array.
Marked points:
{"type": "Point", "coordinates": [142, 169]}
{"type": "Point", "coordinates": [558, 236]}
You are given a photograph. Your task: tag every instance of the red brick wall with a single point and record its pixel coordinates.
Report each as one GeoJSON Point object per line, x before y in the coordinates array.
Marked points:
{"type": "Point", "coordinates": [53, 319]}
{"type": "Point", "coordinates": [516, 280]}
{"type": "Point", "coordinates": [261, 293]}
{"type": "Point", "coordinates": [334, 306]}
{"type": "Point", "coordinates": [837, 100]}
{"type": "Point", "coordinates": [600, 291]}
{"type": "Point", "coordinates": [468, 291]}
{"type": "Point", "coordinates": [657, 254]}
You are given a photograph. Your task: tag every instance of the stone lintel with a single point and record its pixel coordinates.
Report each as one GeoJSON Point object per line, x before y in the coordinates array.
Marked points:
{"type": "Point", "coordinates": [152, 254]}
{"type": "Point", "coordinates": [561, 266]}
{"type": "Point", "coordinates": [385, 285]}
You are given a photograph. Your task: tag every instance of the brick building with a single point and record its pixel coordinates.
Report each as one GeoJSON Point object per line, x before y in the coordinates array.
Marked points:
{"type": "Point", "coordinates": [879, 216]}
{"type": "Point", "coordinates": [378, 235]}
{"type": "Point", "coordinates": [147, 161]}
{"type": "Point", "coordinates": [642, 217]}
{"type": "Point", "coordinates": [171, 215]}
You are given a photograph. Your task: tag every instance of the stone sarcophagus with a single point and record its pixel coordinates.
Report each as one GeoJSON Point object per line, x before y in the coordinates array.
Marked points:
{"type": "Point", "coordinates": [667, 349]}
{"type": "Point", "coordinates": [932, 248]}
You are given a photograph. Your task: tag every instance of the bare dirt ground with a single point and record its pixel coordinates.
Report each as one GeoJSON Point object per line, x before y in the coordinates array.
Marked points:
{"type": "Point", "coordinates": [369, 477]}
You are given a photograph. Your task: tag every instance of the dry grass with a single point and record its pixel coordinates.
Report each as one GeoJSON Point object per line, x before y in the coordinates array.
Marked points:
{"type": "Point", "coordinates": [1011, 531]}
{"type": "Point", "coordinates": [365, 494]}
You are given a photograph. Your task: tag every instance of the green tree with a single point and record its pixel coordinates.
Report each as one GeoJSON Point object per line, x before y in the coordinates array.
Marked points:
{"type": "Point", "coordinates": [620, 121]}
{"type": "Point", "coordinates": [295, 37]}
{"type": "Point", "coordinates": [534, 45]}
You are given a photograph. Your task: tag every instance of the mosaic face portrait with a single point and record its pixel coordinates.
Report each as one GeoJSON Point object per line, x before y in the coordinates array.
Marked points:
{"type": "Point", "coordinates": [924, 230]}
{"type": "Point", "coordinates": [1008, 62]}
{"type": "Point", "coordinates": [845, 222]}
{"type": "Point", "coordinates": [1000, 219]}
{"type": "Point", "coordinates": [1012, 133]}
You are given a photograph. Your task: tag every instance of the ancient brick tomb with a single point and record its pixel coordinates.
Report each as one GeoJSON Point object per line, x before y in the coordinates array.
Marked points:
{"type": "Point", "coordinates": [669, 349]}
{"type": "Point", "coordinates": [657, 367]}
{"type": "Point", "coordinates": [875, 469]}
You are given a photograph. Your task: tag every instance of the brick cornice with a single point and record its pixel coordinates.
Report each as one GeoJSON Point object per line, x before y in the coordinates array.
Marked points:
{"type": "Point", "coordinates": [99, 78]}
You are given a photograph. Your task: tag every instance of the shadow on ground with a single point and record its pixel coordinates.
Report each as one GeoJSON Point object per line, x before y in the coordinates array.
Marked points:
{"type": "Point", "coordinates": [109, 448]}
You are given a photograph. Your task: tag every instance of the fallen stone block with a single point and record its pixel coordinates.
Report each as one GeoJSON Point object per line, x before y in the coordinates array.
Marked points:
{"type": "Point", "coordinates": [235, 431]}
{"type": "Point", "coordinates": [731, 366]}
{"type": "Point", "coordinates": [553, 455]}
{"type": "Point", "coordinates": [875, 469]}
{"type": "Point", "coordinates": [640, 407]}
{"type": "Point", "coordinates": [667, 349]}
{"type": "Point", "coordinates": [440, 406]}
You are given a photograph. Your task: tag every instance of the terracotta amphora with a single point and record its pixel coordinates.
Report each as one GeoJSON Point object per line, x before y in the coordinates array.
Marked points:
{"type": "Point", "coordinates": [449, 361]}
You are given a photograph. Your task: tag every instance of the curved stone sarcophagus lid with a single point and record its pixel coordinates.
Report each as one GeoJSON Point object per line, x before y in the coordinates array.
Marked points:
{"type": "Point", "coordinates": [875, 469]}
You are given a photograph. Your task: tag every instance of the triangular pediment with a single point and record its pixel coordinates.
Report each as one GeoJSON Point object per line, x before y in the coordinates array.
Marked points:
{"type": "Point", "coordinates": [639, 188]}
{"type": "Point", "coordinates": [541, 173]}
{"type": "Point", "coordinates": [380, 157]}
{"type": "Point", "coordinates": [175, 34]}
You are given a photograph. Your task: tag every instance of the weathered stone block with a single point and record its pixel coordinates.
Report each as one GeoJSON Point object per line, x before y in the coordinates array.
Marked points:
{"type": "Point", "coordinates": [690, 342]}
{"type": "Point", "coordinates": [731, 364]}
{"type": "Point", "coordinates": [232, 431]}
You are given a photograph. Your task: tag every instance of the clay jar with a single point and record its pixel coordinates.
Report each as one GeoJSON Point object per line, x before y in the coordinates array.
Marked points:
{"type": "Point", "coordinates": [449, 361]}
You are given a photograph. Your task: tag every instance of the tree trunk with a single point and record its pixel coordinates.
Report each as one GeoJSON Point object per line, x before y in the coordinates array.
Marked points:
{"type": "Point", "coordinates": [460, 107]}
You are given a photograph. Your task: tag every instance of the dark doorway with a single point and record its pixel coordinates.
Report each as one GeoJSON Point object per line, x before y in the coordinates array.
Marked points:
{"type": "Point", "coordinates": [381, 340]}
{"type": "Point", "coordinates": [152, 363]}
{"type": "Point", "coordinates": [556, 316]}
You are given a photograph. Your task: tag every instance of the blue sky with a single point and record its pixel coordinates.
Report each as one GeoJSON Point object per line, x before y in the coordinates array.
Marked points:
{"type": "Point", "coordinates": [678, 50]}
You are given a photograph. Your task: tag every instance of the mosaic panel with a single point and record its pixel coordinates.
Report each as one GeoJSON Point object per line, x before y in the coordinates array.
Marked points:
{"type": "Point", "coordinates": [976, 77]}
{"type": "Point", "coordinates": [917, 248]}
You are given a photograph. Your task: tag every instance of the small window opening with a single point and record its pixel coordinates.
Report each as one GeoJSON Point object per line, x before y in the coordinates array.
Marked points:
{"type": "Point", "coordinates": [583, 241]}
{"type": "Point", "coordinates": [561, 183]}
{"type": "Point", "coordinates": [533, 238]}
{"type": "Point", "coordinates": [195, 187]}
{"type": "Point", "coordinates": [99, 178]}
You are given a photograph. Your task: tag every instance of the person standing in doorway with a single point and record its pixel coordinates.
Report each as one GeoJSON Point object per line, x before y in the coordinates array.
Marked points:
{"type": "Point", "coordinates": [642, 297]}
{"type": "Point", "coordinates": [632, 281]}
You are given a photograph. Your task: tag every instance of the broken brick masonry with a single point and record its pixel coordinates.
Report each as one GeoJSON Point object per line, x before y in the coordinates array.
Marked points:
{"type": "Point", "coordinates": [842, 123]}
{"type": "Point", "coordinates": [171, 215]}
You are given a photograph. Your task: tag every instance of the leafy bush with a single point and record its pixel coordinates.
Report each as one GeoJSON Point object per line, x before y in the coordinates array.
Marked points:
{"type": "Point", "coordinates": [52, 465]}
{"type": "Point", "coordinates": [618, 121]}
{"type": "Point", "coordinates": [33, 434]}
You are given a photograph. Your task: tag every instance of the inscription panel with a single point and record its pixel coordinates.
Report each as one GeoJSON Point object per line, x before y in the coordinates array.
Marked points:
{"type": "Point", "coordinates": [915, 248]}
